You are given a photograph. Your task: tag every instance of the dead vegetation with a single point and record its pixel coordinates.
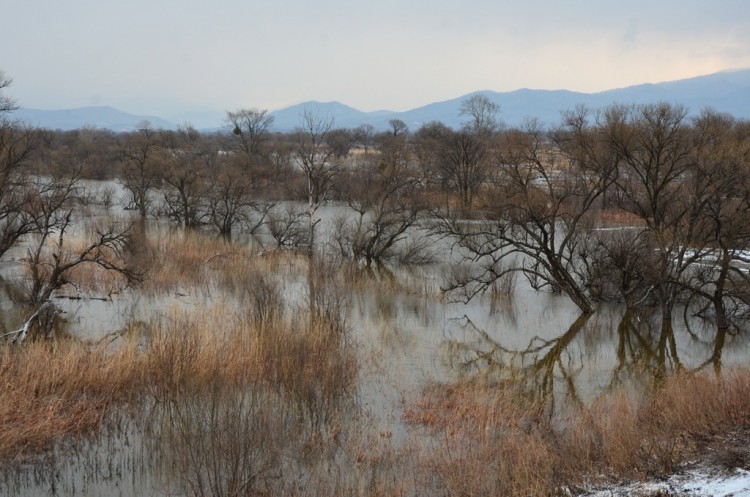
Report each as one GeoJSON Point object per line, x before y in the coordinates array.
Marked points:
{"type": "Point", "coordinates": [493, 440]}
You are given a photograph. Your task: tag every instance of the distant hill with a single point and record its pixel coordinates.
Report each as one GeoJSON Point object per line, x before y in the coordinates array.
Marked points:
{"type": "Point", "coordinates": [727, 91]}
{"type": "Point", "coordinates": [98, 117]}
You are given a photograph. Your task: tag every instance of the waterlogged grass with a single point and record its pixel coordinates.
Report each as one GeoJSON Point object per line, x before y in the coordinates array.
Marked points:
{"type": "Point", "coordinates": [255, 392]}
{"type": "Point", "coordinates": [492, 439]}
{"type": "Point", "coordinates": [54, 390]}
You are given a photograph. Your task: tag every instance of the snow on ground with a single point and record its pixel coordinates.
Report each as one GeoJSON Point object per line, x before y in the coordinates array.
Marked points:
{"type": "Point", "coordinates": [697, 483]}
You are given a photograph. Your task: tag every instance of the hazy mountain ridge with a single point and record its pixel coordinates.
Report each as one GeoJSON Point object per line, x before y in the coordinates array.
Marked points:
{"type": "Point", "coordinates": [727, 91]}
{"type": "Point", "coordinates": [98, 117]}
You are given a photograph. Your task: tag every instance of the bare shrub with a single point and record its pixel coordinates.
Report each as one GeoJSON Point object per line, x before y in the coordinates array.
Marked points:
{"type": "Point", "coordinates": [106, 197]}
{"type": "Point", "coordinates": [415, 251]}
{"type": "Point", "coordinates": [265, 304]}
{"type": "Point", "coordinates": [504, 286]}
{"type": "Point", "coordinates": [289, 227]}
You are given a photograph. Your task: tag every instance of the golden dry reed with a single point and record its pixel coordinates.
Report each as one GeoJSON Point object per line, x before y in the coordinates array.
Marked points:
{"type": "Point", "coordinates": [493, 440]}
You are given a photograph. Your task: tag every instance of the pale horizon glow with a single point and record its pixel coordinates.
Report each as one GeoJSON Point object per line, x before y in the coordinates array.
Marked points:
{"type": "Point", "coordinates": [173, 57]}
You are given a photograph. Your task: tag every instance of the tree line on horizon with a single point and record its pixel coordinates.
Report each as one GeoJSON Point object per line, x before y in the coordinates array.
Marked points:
{"type": "Point", "coordinates": [637, 204]}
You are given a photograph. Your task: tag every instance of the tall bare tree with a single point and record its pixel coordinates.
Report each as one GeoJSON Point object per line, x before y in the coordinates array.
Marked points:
{"type": "Point", "coordinates": [184, 176]}
{"type": "Point", "coordinates": [463, 164]}
{"type": "Point", "coordinates": [315, 157]}
{"type": "Point", "coordinates": [18, 143]}
{"type": "Point", "coordinates": [141, 158]}
{"type": "Point", "coordinates": [719, 186]}
{"type": "Point", "coordinates": [653, 144]}
{"type": "Point", "coordinates": [250, 129]}
{"type": "Point", "coordinates": [482, 113]}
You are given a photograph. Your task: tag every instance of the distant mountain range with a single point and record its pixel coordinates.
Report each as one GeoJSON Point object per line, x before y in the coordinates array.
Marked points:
{"type": "Point", "coordinates": [727, 91]}
{"type": "Point", "coordinates": [98, 117]}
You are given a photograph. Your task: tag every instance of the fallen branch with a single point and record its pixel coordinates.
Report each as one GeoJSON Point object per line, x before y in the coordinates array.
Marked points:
{"type": "Point", "coordinates": [44, 315]}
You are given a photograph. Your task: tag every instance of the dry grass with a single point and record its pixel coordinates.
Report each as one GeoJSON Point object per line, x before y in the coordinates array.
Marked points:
{"type": "Point", "coordinates": [614, 218]}
{"type": "Point", "coordinates": [493, 441]}
{"type": "Point", "coordinates": [57, 389]}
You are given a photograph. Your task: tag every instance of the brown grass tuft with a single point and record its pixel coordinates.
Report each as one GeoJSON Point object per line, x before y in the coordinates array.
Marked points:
{"type": "Point", "coordinates": [497, 442]}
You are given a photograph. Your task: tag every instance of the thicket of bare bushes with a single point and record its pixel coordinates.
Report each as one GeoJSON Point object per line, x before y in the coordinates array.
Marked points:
{"type": "Point", "coordinates": [635, 204]}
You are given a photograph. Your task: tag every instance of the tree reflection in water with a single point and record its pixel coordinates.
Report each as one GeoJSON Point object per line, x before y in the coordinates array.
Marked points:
{"type": "Point", "coordinates": [628, 347]}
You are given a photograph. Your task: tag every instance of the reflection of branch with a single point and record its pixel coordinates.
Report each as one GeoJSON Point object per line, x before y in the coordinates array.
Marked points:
{"type": "Point", "coordinates": [630, 341]}
{"type": "Point", "coordinates": [634, 350]}
{"type": "Point", "coordinates": [544, 366]}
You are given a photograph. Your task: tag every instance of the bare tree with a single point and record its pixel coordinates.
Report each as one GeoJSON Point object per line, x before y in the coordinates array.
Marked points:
{"type": "Point", "coordinates": [288, 227]}
{"type": "Point", "coordinates": [363, 135]}
{"type": "Point", "coordinates": [7, 104]}
{"type": "Point", "coordinates": [341, 141]}
{"type": "Point", "coordinates": [463, 164]}
{"type": "Point", "coordinates": [231, 202]}
{"type": "Point", "coordinates": [426, 143]}
{"type": "Point", "coordinates": [465, 153]}
{"type": "Point", "coordinates": [18, 143]}
{"type": "Point", "coordinates": [482, 113]}
{"type": "Point", "coordinates": [251, 147]}
{"type": "Point", "coordinates": [535, 220]}
{"type": "Point", "coordinates": [719, 186]}
{"type": "Point", "coordinates": [140, 153]}
{"type": "Point", "coordinates": [652, 142]}
{"type": "Point", "coordinates": [384, 196]}
{"type": "Point", "coordinates": [315, 157]}
{"type": "Point", "coordinates": [52, 263]}
{"type": "Point", "coordinates": [251, 131]}
{"type": "Point", "coordinates": [186, 162]}
{"type": "Point", "coordinates": [398, 127]}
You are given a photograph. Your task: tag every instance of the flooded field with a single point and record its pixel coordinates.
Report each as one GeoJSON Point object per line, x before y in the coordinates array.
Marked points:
{"type": "Point", "coordinates": [341, 422]}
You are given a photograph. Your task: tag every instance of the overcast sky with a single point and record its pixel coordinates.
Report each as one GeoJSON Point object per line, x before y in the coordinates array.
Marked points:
{"type": "Point", "coordinates": [163, 57]}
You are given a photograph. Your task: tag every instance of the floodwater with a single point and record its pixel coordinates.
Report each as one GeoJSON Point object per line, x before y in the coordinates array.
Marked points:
{"type": "Point", "coordinates": [406, 340]}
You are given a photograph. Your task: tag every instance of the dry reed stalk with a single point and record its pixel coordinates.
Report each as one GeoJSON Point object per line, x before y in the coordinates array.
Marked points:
{"type": "Point", "coordinates": [501, 443]}
{"type": "Point", "coordinates": [59, 389]}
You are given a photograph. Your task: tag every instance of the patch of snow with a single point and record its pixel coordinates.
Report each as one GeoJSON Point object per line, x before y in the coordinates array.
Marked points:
{"type": "Point", "coordinates": [692, 484]}
{"type": "Point", "coordinates": [734, 485]}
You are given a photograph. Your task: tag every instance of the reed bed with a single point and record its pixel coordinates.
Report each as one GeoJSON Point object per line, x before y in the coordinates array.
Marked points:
{"type": "Point", "coordinates": [496, 440]}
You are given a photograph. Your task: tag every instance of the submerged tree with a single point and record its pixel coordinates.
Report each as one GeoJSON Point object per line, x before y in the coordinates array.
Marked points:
{"type": "Point", "coordinates": [719, 184]}
{"type": "Point", "coordinates": [536, 213]}
{"type": "Point", "coordinates": [231, 202]}
{"type": "Point", "coordinates": [384, 195]}
{"type": "Point", "coordinates": [17, 145]}
{"type": "Point", "coordinates": [53, 262]}
{"type": "Point", "coordinates": [141, 159]}
{"type": "Point", "coordinates": [315, 157]}
{"type": "Point", "coordinates": [653, 183]}
{"type": "Point", "coordinates": [184, 177]}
